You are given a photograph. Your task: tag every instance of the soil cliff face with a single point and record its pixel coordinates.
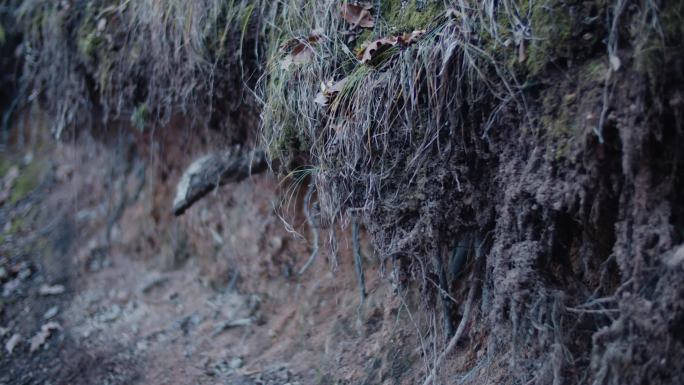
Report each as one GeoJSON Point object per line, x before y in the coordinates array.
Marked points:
{"type": "Point", "coordinates": [515, 166]}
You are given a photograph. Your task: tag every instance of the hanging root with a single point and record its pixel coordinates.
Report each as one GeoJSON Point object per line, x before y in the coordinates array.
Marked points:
{"type": "Point", "coordinates": [312, 225]}
{"type": "Point", "coordinates": [459, 332]}
{"type": "Point", "coordinates": [357, 260]}
{"type": "Point", "coordinates": [447, 304]}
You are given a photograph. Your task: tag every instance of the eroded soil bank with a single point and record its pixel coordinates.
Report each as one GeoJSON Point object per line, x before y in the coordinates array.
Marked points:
{"type": "Point", "coordinates": [514, 167]}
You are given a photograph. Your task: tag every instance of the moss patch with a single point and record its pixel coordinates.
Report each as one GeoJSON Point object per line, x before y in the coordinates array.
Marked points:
{"type": "Point", "coordinates": [26, 182]}
{"type": "Point", "coordinates": [562, 31]}
{"type": "Point", "coordinates": [5, 165]}
{"type": "Point", "coordinates": [401, 16]}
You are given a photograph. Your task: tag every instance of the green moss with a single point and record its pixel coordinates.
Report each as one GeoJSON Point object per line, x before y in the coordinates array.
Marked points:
{"type": "Point", "coordinates": [561, 31]}
{"type": "Point", "coordinates": [15, 226]}
{"type": "Point", "coordinates": [5, 165]}
{"type": "Point", "coordinates": [88, 37]}
{"type": "Point", "coordinates": [594, 70]}
{"type": "Point", "coordinates": [552, 29]}
{"type": "Point", "coordinates": [89, 43]}
{"type": "Point", "coordinates": [26, 182]}
{"type": "Point", "coordinates": [408, 16]}
{"type": "Point", "coordinates": [656, 50]}
{"type": "Point", "coordinates": [565, 112]}
{"type": "Point", "coordinates": [140, 116]}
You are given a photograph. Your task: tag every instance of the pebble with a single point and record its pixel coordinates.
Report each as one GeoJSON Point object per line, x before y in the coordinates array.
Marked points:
{"type": "Point", "coordinates": [51, 312]}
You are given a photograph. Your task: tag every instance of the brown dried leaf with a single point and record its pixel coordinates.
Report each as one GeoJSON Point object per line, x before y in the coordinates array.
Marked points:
{"type": "Point", "coordinates": [299, 51]}
{"type": "Point", "coordinates": [409, 38]}
{"type": "Point", "coordinates": [376, 47]}
{"type": "Point", "coordinates": [358, 15]}
{"type": "Point", "coordinates": [368, 53]}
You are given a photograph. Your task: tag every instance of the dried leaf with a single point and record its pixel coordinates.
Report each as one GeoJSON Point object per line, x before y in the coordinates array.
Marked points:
{"type": "Point", "coordinates": [522, 55]}
{"type": "Point", "coordinates": [51, 290]}
{"type": "Point", "coordinates": [409, 38]}
{"type": "Point", "coordinates": [615, 63]}
{"type": "Point", "coordinates": [453, 13]}
{"type": "Point", "coordinates": [328, 91]}
{"type": "Point", "coordinates": [299, 51]}
{"type": "Point", "coordinates": [358, 15]}
{"type": "Point", "coordinates": [321, 99]}
{"type": "Point", "coordinates": [375, 48]}
{"type": "Point", "coordinates": [368, 53]}
{"type": "Point", "coordinates": [45, 331]}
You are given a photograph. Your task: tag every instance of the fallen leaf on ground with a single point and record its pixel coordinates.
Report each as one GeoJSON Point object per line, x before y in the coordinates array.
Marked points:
{"type": "Point", "coordinates": [12, 343]}
{"type": "Point", "coordinates": [45, 331]}
{"type": "Point", "coordinates": [358, 15]}
{"type": "Point", "coordinates": [51, 290]}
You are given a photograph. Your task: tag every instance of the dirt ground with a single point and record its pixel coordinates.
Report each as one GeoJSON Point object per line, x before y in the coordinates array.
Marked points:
{"type": "Point", "coordinates": [102, 285]}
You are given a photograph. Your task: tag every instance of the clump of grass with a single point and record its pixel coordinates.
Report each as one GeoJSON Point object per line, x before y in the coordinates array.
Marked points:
{"type": "Point", "coordinates": [116, 55]}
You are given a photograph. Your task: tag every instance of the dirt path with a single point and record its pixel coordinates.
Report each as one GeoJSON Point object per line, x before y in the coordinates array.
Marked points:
{"type": "Point", "coordinates": [101, 286]}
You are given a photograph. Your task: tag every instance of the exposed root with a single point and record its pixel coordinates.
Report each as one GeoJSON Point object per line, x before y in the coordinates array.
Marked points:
{"type": "Point", "coordinates": [358, 260]}
{"type": "Point", "coordinates": [211, 171]}
{"type": "Point", "coordinates": [313, 226]}
{"type": "Point", "coordinates": [459, 332]}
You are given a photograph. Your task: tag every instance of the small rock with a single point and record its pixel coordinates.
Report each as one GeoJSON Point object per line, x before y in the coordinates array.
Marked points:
{"type": "Point", "coordinates": [153, 282]}
{"type": "Point", "coordinates": [111, 314]}
{"type": "Point", "coordinates": [12, 343]}
{"type": "Point", "coordinates": [236, 363]}
{"type": "Point", "coordinates": [276, 243]}
{"type": "Point", "coordinates": [51, 312]}
{"type": "Point", "coordinates": [232, 324]}
{"type": "Point", "coordinates": [3, 331]}
{"type": "Point", "coordinates": [51, 290]}
{"type": "Point", "coordinates": [28, 158]}
{"type": "Point", "coordinates": [45, 331]}
{"type": "Point", "coordinates": [3, 273]}
{"type": "Point", "coordinates": [10, 287]}
{"type": "Point", "coordinates": [141, 345]}
{"type": "Point", "coordinates": [24, 273]}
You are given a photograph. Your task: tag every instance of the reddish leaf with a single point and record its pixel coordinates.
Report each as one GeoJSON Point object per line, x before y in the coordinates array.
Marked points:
{"type": "Point", "coordinates": [358, 15]}
{"type": "Point", "coordinates": [299, 51]}
{"type": "Point", "coordinates": [371, 51]}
